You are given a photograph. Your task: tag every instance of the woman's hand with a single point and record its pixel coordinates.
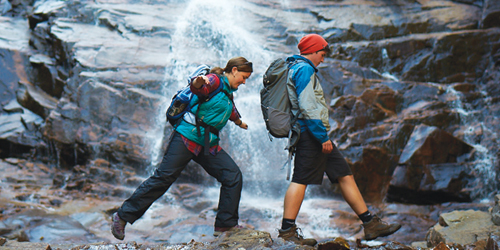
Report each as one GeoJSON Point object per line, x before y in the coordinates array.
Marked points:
{"type": "Point", "coordinates": [199, 81]}
{"type": "Point", "coordinates": [241, 124]}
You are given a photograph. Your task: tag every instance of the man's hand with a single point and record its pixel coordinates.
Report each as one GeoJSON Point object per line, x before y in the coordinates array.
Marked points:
{"type": "Point", "coordinates": [327, 147]}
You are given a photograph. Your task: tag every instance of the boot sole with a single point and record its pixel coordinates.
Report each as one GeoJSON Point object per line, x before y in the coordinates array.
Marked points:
{"type": "Point", "coordinates": [117, 236]}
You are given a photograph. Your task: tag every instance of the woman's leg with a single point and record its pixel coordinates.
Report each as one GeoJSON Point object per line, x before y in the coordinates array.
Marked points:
{"type": "Point", "coordinates": [174, 161]}
{"type": "Point", "coordinates": [224, 169]}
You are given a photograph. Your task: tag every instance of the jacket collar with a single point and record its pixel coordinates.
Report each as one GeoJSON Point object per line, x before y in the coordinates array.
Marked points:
{"type": "Point", "coordinates": [298, 58]}
{"type": "Point", "coordinates": [225, 81]}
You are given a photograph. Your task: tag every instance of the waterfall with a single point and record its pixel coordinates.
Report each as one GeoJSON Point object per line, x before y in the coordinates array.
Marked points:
{"type": "Point", "coordinates": [211, 32]}
{"type": "Point", "coordinates": [485, 160]}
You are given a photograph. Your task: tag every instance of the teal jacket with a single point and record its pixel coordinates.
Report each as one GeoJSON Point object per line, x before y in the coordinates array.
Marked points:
{"type": "Point", "coordinates": [215, 112]}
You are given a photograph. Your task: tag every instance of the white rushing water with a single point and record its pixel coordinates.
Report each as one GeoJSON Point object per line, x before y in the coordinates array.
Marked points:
{"type": "Point", "coordinates": [211, 32]}
{"type": "Point", "coordinates": [485, 160]}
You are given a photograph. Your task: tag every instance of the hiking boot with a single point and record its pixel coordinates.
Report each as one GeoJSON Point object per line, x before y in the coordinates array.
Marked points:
{"type": "Point", "coordinates": [377, 228]}
{"type": "Point", "coordinates": [219, 230]}
{"type": "Point", "coordinates": [293, 235]}
{"type": "Point", "coordinates": [118, 227]}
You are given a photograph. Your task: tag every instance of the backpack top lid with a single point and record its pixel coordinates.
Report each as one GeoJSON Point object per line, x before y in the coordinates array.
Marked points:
{"type": "Point", "coordinates": [275, 71]}
{"type": "Point", "coordinates": [180, 103]}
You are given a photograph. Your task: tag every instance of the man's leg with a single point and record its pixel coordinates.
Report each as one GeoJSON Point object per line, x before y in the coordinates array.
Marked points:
{"type": "Point", "coordinates": [308, 169]}
{"type": "Point", "coordinates": [293, 200]}
{"type": "Point", "coordinates": [339, 171]}
{"type": "Point", "coordinates": [351, 194]}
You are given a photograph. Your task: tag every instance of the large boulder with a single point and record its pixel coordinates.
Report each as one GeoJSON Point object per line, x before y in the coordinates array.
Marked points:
{"type": "Point", "coordinates": [462, 227]}
{"type": "Point", "coordinates": [491, 14]}
{"type": "Point", "coordinates": [429, 168]}
{"type": "Point", "coordinates": [431, 145]}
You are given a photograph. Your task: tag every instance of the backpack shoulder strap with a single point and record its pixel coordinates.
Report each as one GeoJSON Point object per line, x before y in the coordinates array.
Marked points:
{"type": "Point", "coordinates": [201, 123]}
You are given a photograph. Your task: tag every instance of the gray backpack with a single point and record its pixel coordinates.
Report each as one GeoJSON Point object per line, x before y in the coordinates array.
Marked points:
{"type": "Point", "coordinates": [276, 106]}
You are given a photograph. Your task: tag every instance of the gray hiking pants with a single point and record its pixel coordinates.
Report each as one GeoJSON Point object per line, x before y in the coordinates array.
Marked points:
{"type": "Point", "coordinates": [221, 166]}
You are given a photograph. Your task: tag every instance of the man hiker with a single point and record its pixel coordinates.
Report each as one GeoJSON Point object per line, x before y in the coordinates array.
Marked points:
{"type": "Point", "coordinates": [315, 152]}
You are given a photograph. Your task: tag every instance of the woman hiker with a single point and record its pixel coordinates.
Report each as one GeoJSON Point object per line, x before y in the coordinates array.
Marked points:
{"type": "Point", "coordinates": [188, 142]}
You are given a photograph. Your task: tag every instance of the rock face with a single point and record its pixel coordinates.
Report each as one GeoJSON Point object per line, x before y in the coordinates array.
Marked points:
{"type": "Point", "coordinates": [82, 81]}
{"type": "Point", "coordinates": [495, 211]}
{"type": "Point", "coordinates": [462, 227]}
{"type": "Point", "coordinates": [425, 177]}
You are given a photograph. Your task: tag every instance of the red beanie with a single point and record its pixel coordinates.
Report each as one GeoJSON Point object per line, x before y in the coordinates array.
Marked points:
{"type": "Point", "coordinates": [311, 43]}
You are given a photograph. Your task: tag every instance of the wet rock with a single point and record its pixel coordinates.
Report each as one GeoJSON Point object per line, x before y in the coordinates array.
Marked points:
{"type": "Point", "coordinates": [429, 170]}
{"type": "Point", "coordinates": [103, 174]}
{"type": "Point", "coordinates": [493, 242]}
{"type": "Point", "coordinates": [343, 107]}
{"type": "Point", "coordinates": [372, 171]}
{"type": "Point", "coordinates": [38, 226]}
{"type": "Point", "coordinates": [14, 48]}
{"type": "Point", "coordinates": [88, 124]}
{"type": "Point", "coordinates": [434, 116]}
{"type": "Point", "coordinates": [430, 145]}
{"type": "Point", "coordinates": [461, 227]}
{"type": "Point", "coordinates": [243, 238]}
{"type": "Point", "coordinates": [382, 97]}
{"type": "Point", "coordinates": [376, 21]}
{"type": "Point", "coordinates": [491, 14]}
{"type": "Point", "coordinates": [336, 244]}
{"type": "Point", "coordinates": [347, 222]}
{"type": "Point", "coordinates": [362, 115]}
{"type": "Point", "coordinates": [21, 128]}
{"type": "Point", "coordinates": [430, 55]}
{"type": "Point", "coordinates": [495, 211]}
{"type": "Point", "coordinates": [45, 10]}
{"type": "Point", "coordinates": [47, 77]}
{"type": "Point", "coordinates": [416, 94]}
{"type": "Point", "coordinates": [430, 184]}
{"type": "Point", "coordinates": [340, 78]}
{"type": "Point", "coordinates": [93, 49]}
{"type": "Point", "coordinates": [372, 106]}
{"type": "Point", "coordinates": [4, 229]}
{"type": "Point", "coordinates": [35, 99]}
